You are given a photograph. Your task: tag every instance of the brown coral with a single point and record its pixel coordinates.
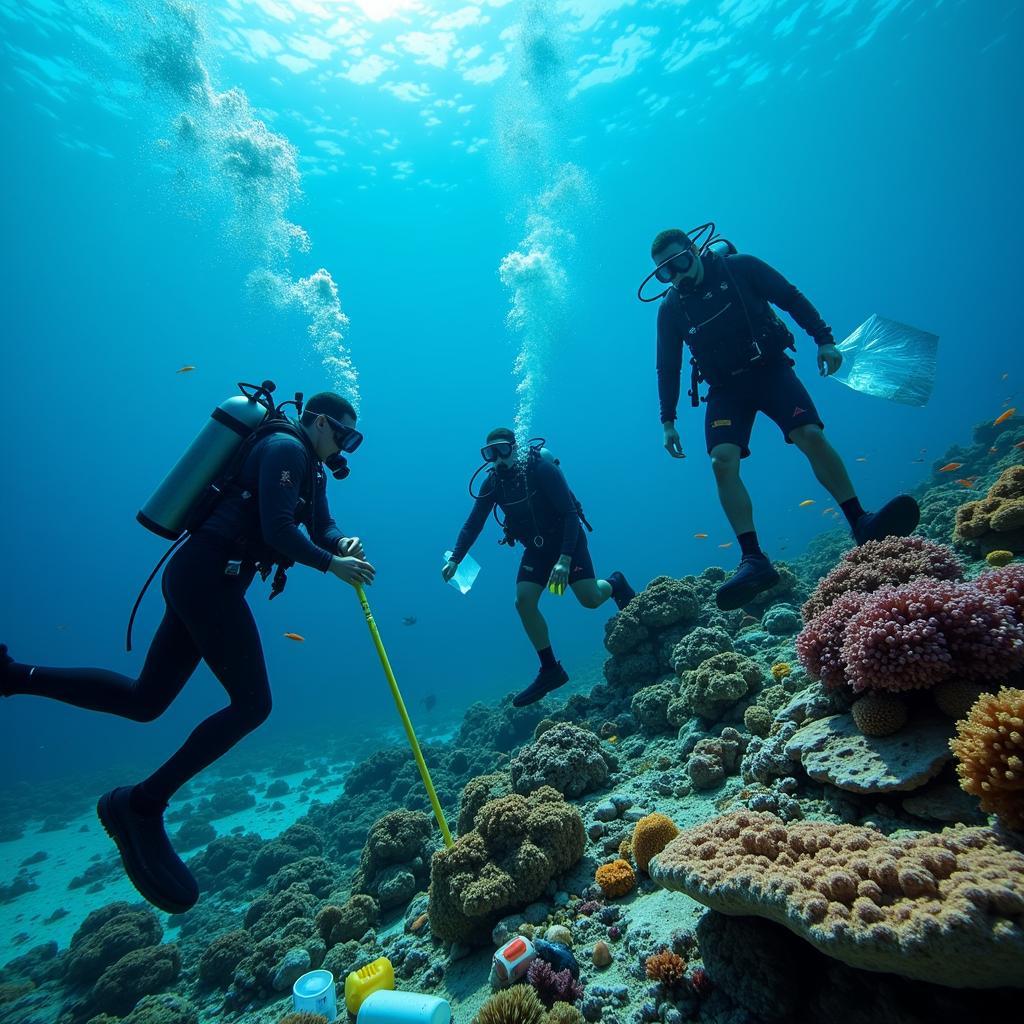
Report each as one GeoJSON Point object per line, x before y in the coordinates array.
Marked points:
{"type": "Point", "coordinates": [995, 522]}
{"type": "Point", "coordinates": [989, 748]}
{"type": "Point", "coordinates": [758, 720]}
{"type": "Point", "coordinates": [878, 714]}
{"type": "Point", "coordinates": [946, 908]}
{"type": "Point", "coordinates": [651, 834]}
{"type": "Point", "coordinates": [517, 1005]}
{"type": "Point", "coordinates": [666, 967]}
{"type": "Point", "coordinates": [616, 879]}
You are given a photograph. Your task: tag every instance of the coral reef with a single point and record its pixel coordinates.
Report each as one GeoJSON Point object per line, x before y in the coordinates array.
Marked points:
{"type": "Point", "coordinates": [946, 908]}
{"type": "Point", "coordinates": [989, 750]}
{"type": "Point", "coordinates": [566, 758]}
{"type": "Point", "coordinates": [781, 620]}
{"type": "Point", "coordinates": [477, 792]}
{"type": "Point", "coordinates": [995, 522]}
{"type": "Point", "coordinates": [394, 864]}
{"type": "Point", "coordinates": [883, 563]}
{"type": "Point", "coordinates": [516, 847]}
{"type": "Point", "coordinates": [697, 646]}
{"type": "Point", "coordinates": [220, 958]}
{"type": "Point", "coordinates": [757, 720]}
{"type": "Point", "coordinates": [651, 834]}
{"type": "Point", "coordinates": [106, 935]}
{"type": "Point", "coordinates": [714, 758]}
{"type": "Point", "coordinates": [713, 687]}
{"type": "Point", "coordinates": [342, 924]}
{"type": "Point", "coordinates": [140, 973]}
{"type": "Point", "coordinates": [650, 708]}
{"type": "Point", "coordinates": [616, 878]}
{"type": "Point", "coordinates": [553, 986]}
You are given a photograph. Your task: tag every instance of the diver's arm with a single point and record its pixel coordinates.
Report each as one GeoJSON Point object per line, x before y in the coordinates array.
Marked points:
{"type": "Point", "coordinates": [670, 363]}
{"type": "Point", "coordinates": [283, 467]}
{"type": "Point", "coordinates": [474, 524]}
{"type": "Point", "coordinates": [552, 482]}
{"type": "Point", "coordinates": [771, 285]}
{"type": "Point", "coordinates": [327, 533]}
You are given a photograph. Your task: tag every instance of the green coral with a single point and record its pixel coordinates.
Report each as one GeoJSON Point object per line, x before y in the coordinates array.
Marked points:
{"type": "Point", "coordinates": [477, 792]}
{"type": "Point", "coordinates": [713, 687]}
{"type": "Point", "coordinates": [518, 845]}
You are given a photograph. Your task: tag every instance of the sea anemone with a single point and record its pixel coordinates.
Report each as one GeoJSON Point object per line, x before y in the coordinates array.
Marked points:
{"type": "Point", "coordinates": [666, 967]}
{"type": "Point", "coordinates": [517, 1005]}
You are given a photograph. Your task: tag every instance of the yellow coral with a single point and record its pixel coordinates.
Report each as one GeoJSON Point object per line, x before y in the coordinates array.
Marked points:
{"type": "Point", "coordinates": [616, 879]}
{"type": "Point", "coordinates": [989, 748]}
{"type": "Point", "coordinates": [996, 521]}
{"type": "Point", "coordinates": [997, 559]}
{"type": "Point", "coordinates": [780, 670]}
{"type": "Point", "coordinates": [651, 835]}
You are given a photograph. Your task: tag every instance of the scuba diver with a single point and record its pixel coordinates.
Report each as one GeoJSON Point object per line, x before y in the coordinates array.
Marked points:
{"type": "Point", "coordinates": [720, 304]}
{"type": "Point", "coordinates": [250, 522]}
{"type": "Point", "coordinates": [544, 516]}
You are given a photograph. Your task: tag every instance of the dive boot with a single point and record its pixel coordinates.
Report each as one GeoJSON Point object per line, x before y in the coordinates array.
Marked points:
{"type": "Point", "coordinates": [6, 661]}
{"type": "Point", "coordinates": [754, 575]}
{"type": "Point", "coordinates": [896, 518]}
{"type": "Point", "coordinates": [548, 679]}
{"type": "Point", "coordinates": [622, 592]}
{"type": "Point", "coordinates": [148, 857]}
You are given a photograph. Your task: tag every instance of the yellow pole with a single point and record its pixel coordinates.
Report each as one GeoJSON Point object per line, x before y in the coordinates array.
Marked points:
{"type": "Point", "coordinates": [400, 704]}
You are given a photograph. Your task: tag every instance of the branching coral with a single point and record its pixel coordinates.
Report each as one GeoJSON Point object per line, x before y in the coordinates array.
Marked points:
{"type": "Point", "coordinates": [616, 878]}
{"type": "Point", "coordinates": [947, 908]}
{"type": "Point", "coordinates": [666, 967]}
{"type": "Point", "coordinates": [883, 563]}
{"type": "Point", "coordinates": [989, 748]}
{"type": "Point", "coordinates": [553, 986]}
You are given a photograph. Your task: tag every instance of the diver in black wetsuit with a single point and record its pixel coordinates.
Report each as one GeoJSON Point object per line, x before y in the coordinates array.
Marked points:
{"type": "Point", "coordinates": [281, 484]}
{"type": "Point", "coordinates": [720, 305]}
{"type": "Point", "coordinates": [542, 514]}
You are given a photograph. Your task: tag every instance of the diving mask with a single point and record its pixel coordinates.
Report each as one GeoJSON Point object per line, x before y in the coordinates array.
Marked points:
{"type": "Point", "coordinates": [496, 450]}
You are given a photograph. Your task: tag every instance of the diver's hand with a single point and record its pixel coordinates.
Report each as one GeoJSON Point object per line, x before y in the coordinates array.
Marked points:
{"type": "Point", "coordinates": [559, 577]}
{"type": "Point", "coordinates": [351, 570]}
{"type": "Point", "coordinates": [351, 546]}
{"type": "Point", "coordinates": [451, 567]}
{"type": "Point", "coordinates": [829, 359]}
{"type": "Point", "coordinates": [672, 443]}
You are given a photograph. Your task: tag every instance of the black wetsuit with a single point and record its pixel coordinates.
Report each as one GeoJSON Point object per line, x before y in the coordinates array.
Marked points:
{"type": "Point", "coordinates": [744, 379]}
{"type": "Point", "coordinates": [540, 513]}
{"type": "Point", "coordinates": [207, 617]}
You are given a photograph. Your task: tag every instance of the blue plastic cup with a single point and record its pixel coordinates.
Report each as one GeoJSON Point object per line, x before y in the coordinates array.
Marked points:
{"type": "Point", "coordinates": [314, 992]}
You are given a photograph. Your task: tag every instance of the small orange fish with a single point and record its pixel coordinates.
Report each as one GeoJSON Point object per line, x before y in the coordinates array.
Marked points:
{"type": "Point", "coordinates": [727, 544]}
{"type": "Point", "coordinates": [1003, 417]}
{"type": "Point", "coordinates": [185, 369]}
{"type": "Point", "coordinates": [296, 636]}
{"type": "Point", "coordinates": [806, 502]}
{"type": "Point", "coordinates": [701, 536]}
{"type": "Point", "coordinates": [966, 483]}
{"type": "Point", "coordinates": [950, 467]}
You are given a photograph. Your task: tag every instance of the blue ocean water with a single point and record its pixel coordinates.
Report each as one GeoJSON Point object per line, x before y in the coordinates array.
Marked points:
{"type": "Point", "coordinates": [444, 211]}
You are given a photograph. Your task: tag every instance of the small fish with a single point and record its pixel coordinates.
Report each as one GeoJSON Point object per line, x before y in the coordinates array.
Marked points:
{"type": "Point", "coordinates": [296, 636]}
{"type": "Point", "coordinates": [409, 620]}
{"type": "Point", "coordinates": [613, 739]}
{"type": "Point", "coordinates": [1004, 376]}
{"type": "Point", "coordinates": [862, 458]}
{"type": "Point", "coordinates": [727, 544]}
{"type": "Point", "coordinates": [993, 451]}
{"type": "Point", "coordinates": [965, 483]}
{"type": "Point", "coordinates": [826, 511]}
{"type": "Point", "coordinates": [916, 461]}
{"type": "Point", "coordinates": [1003, 417]}
{"type": "Point", "coordinates": [186, 369]}
{"type": "Point", "coordinates": [701, 536]}
{"type": "Point", "coordinates": [950, 467]}
{"type": "Point", "coordinates": [806, 503]}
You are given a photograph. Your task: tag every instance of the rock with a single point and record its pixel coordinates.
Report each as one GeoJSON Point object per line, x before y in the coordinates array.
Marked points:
{"type": "Point", "coordinates": [536, 913]}
{"type": "Point", "coordinates": [558, 933]}
{"type": "Point", "coordinates": [622, 803]}
{"type": "Point", "coordinates": [295, 963]}
{"type": "Point", "coordinates": [506, 928]}
{"type": "Point", "coordinates": [634, 814]}
{"type": "Point", "coordinates": [606, 811]}
{"type": "Point", "coordinates": [602, 955]}
{"type": "Point", "coordinates": [595, 830]}
{"type": "Point", "coordinates": [945, 801]}
{"type": "Point", "coordinates": [833, 750]}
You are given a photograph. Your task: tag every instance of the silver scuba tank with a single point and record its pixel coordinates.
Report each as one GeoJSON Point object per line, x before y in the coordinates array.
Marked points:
{"type": "Point", "coordinates": [168, 509]}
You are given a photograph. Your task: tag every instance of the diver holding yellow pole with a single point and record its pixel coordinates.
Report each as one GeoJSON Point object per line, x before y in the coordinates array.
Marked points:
{"type": "Point", "coordinates": [404, 715]}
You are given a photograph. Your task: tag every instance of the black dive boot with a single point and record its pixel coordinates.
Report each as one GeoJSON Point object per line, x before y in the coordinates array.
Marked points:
{"type": "Point", "coordinates": [896, 518]}
{"type": "Point", "coordinates": [755, 575]}
{"type": "Point", "coordinates": [622, 592]}
{"type": "Point", "coordinates": [148, 857]}
{"type": "Point", "coordinates": [6, 661]}
{"type": "Point", "coordinates": [548, 679]}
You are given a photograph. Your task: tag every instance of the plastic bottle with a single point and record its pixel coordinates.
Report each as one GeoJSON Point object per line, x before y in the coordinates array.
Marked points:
{"type": "Point", "coordinates": [389, 1007]}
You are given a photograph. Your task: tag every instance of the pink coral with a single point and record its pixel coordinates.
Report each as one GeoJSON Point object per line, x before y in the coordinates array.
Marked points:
{"type": "Point", "coordinates": [883, 563]}
{"type": "Point", "coordinates": [553, 986]}
{"type": "Point", "coordinates": [1006, 585]}
{"type": "Point", "coordinates": [914, 636]}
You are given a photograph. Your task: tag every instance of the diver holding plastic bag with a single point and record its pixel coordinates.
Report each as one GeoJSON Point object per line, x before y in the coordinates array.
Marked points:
{"type": "Point", "coordinates": [719, 304]}
{"type": "Point", "coordinates": [543, 515]}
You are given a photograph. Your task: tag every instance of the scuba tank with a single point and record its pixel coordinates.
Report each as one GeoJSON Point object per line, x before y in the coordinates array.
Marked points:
{"type": "Point", "coordinates": [172, 506]}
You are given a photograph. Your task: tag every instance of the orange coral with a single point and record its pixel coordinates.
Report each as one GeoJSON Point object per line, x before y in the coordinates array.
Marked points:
{"type": "Point", "coordinates": [616, 879]}
{"type": "Point", "coordinates": [946, 908]}
{"type": "Point", "coordinates": [666, 967]}
{"type": "Point", "coordinates": [989, 748]}
{"type": "Point", "coordinates": [651, 835]}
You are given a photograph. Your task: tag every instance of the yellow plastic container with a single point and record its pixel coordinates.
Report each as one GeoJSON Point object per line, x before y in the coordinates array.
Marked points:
{"type": "Point", "coordinates": [372, 978]}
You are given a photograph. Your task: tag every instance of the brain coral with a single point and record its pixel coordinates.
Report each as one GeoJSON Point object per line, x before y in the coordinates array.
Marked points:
{"type": "Point", "coordinates": [996, 522]}
{"type": "Point", "coordinates": [566, 757]}
{"type": "Point", "coordinates": [879, 715]}
{"type": "Point", "coordinates": [651, 835]}
{"type": "Point", "coordinates": [517, 846]}
{"type": "Point", "coordinates": [616, 878]}
{"type": "Point", "coordinates": [989, 749]}
{"type": "Point", "coordinates": [883, 563]}
{"type": "Point", "coordinates": [714, 687]}
{"type": "Point", "coordinates": [946, 908]}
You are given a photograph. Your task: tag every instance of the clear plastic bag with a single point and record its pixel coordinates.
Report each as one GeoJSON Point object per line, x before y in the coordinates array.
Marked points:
{"type": "Point", "coordinates": [889, 360]}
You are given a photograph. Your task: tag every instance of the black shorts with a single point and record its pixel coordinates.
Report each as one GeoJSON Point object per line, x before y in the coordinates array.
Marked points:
{"type": "Point", "coordinates": [776, 391]}
{"type": "Point", "coordinates": [537, 563]}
